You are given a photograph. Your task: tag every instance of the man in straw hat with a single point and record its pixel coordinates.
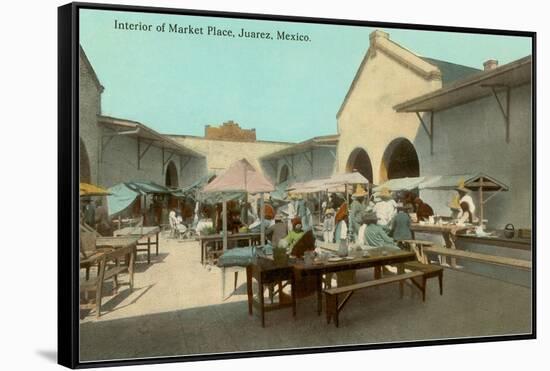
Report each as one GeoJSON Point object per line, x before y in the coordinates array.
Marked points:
{"type": "Point", "coordinates": [464, 195]}
{"type": "Point", "coordinates": [357, 209]}
{"type": "Point", "coordinates": [386, 208]}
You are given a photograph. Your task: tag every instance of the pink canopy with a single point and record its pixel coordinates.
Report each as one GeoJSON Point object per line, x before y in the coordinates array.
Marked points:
{"type": "Point", "coordinates": [240, 177]}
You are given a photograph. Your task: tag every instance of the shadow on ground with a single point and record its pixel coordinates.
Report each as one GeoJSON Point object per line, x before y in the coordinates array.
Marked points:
{"type": "Point", "coordinates": [471, 306]}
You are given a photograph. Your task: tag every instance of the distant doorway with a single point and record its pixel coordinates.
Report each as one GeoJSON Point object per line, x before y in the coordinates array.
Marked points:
{"type": "Point", "coordinates": [400, 160]}
{"type": "Point", "coordinates": [85, 173]}
{"type": "Point", "coordinates": [359, 161]}
{"type": "Point", "coordinates": [171, 180]}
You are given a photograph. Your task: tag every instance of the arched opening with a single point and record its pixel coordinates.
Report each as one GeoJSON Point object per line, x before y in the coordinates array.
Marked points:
{"type": "Point", "coordinates": [283, 174]}
{"type": "Point", "coordinates": [85, 173]}
{"type": "Point", "coordinates": [359, 161]}
{"type": "Point", "coordinates": [400, 160]}
{"type": "Point", "coordinates": [171, 180]}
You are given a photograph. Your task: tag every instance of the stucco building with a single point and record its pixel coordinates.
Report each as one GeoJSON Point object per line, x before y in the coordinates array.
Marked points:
{"type": "Point", "coordinates": [114, 150]}
{"type": "Point", "coordinates": [221, 146]}
{"type": "Point", "coordinates": [404, 115]}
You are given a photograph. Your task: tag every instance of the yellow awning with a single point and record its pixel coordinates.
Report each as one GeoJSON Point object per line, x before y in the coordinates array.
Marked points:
{"type": "Point", "coordinates": [92, 190]}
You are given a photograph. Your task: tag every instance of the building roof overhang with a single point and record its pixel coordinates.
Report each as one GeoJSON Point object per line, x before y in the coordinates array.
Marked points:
{"type": "Point", "coordinates": [472, 88]}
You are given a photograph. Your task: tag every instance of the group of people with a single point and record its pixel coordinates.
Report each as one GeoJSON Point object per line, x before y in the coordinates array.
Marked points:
{"type": "Point", "coordinates": [380, 220]}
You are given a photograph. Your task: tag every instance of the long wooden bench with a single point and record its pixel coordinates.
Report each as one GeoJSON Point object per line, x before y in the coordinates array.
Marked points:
{"type": "Point", "coordinates": [334, 307]}
{"type": "Point", "coordinates": [429, 271]}
{"type": "Point", "coordinates": [485, 258]}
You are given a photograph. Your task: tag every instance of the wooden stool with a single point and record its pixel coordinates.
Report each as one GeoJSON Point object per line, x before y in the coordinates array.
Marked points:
{"type": "Point", "coordinates": [428, 271]}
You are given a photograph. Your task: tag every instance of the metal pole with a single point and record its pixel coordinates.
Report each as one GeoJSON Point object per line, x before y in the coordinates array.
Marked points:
{"type": "Point", "coordinates": [224, 223]}
{"type": "Point", "coordinates": [262, 216]}
{"type": "Point", "coordinates": [481, 202]}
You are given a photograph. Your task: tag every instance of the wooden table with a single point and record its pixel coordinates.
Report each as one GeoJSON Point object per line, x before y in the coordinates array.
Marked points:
{"type": "Point", "coordinates": [378, 257]}
{"type": "Point", "coordinates": [447, 231]}
{"type": "Point", "coordinates": [217, 241]}
{"type": "Point", "coordinates": [142, 232]}
{"type": "Point", "coordinates": [110, 249]}
{"type": "Point", "coordinates": [266, 272]}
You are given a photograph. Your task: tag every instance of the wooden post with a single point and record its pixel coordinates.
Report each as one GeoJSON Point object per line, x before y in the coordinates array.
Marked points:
{"type": "Point", "coordinates": [224, 242]}
{"type": "Point", "coordinates": [349, 215]}
{"type": "Point", "coordinates": [262, 217]}
{"type": "Point", "coordinates": [224, 223]}
{"type": "Point", "coordinates": [481, 201]}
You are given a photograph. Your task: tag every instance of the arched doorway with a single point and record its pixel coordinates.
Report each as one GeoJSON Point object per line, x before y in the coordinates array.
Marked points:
{"type": "Point", "coordinates": [283, 174]}
{"type": "Point", "coordinates": [171, 180]}
{"type": "Point", "coordinates": [85, 173]}
{"type": "Point", "coordinates": [359, 161]}
{"type": "Point", "coordinates": [400, 160]}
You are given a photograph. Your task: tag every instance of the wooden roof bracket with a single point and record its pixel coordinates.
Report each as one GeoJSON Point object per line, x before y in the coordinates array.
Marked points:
{"type": "Point", "coordinates": [430, 130]}
{"type": "Point", "coordinates": [182, 163]}
{"type": "Point", "coordinates": [140, 153]}
{"type": "Point", "coordinates": [309, 159]}
{"type": "Point", "coordinates": [505, 110]}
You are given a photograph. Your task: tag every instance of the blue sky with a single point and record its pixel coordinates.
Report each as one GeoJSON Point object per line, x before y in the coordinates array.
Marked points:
{"type": "Point", "coordinates": [287, 90]}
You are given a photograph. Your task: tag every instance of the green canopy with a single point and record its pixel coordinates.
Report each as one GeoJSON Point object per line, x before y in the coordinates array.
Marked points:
{"type": "Point", "coordinates": [120, 198]}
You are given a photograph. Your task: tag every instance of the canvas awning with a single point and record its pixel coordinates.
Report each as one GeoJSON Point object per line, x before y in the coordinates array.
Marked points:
{"type": "Point", "coordinates": [123, 195]}
{"type": "Point", "coordinates": [146, 188]}
{"type": "Point", "coordinates": [240, 177]}
{"type": "Point", "coordinates": [444, 182]}
{"type": "Point", "coordinates": [347, 178]}
{"type": "Point", "coordinates": [401, 184]}
{"type": "Point", "coordinates": [88, 190]}
{"type": "Point", "coordinates": [120, 199]}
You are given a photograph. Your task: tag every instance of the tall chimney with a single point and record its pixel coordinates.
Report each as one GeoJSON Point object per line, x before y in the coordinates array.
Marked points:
{"type": "Point", "coordinates": [490, 64]}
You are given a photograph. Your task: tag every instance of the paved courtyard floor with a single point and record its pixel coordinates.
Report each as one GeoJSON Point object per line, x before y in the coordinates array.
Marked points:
{"type": "Point", "coordinates": [176, 309]}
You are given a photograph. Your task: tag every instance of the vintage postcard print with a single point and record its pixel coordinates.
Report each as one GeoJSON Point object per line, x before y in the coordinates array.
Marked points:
{"type": "Point", "coordinates": [251, 185]}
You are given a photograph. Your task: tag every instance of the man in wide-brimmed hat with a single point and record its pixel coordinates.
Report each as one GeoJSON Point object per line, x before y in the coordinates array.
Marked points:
{"type": "Point", "coordinates": [385, 209]}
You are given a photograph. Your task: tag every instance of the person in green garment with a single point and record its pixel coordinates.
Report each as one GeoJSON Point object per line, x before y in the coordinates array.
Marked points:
{"type": "Point", "coordinates": [296, 233]}
{"type": "Point", "coordinates": [375, 234]}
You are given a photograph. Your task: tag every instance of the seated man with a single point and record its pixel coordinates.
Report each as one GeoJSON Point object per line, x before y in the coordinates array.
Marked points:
{"type": "Point", "coordinates": [277, 231]}
{"type": "Point", "coordinates": [401, 224]}
{"type": "Point", "coordinates": [296, 233]}
{"type": "Point", "coordinates": [375, 234]}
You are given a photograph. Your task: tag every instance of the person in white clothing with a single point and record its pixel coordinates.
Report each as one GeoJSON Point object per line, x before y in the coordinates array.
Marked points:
{"type": "Point", "coordinates": [464, 196]}
{"type": "Point", "coordinates": [172, 219]}
{"type": "Point", "coordinates": [385, 209]}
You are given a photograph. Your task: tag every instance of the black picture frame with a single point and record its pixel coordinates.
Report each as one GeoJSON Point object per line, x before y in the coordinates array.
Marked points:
{"type": "Point", "coordinates": [68, 191]}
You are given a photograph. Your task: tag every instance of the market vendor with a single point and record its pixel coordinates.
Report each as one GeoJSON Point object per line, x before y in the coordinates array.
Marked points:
{"type": "Point", "coordinates": [454, 205]}
{"type": "Point", "coordinates": [464, 195]}
{"type": "Point", "coordinates": [423, 210]}
{"type": "Point", "coordinates": [401, 224]}
{"type": "Point", "coordinates": [386, 208]}
{"type": "Point", "coordinates": [277, 231]}
{"type": "Point", "coordinates": [357, 209]}
{"type": "Point", "coordinates": [375, 235]}
{"type": "Point", "coordinates": [340, 220]}
{"type": "Point", "coordinates": [296, 233]}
